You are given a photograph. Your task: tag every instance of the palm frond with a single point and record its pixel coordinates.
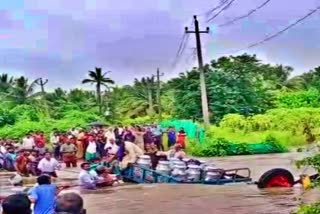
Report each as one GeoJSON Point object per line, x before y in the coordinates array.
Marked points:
{"type": "Point", "coordinates": [85, 81]}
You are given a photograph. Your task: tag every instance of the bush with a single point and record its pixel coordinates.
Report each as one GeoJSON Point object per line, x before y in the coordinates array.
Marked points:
{"type": "Point", "coordinates": [298, 99]}
{"type": "Point", "coordinates": [313, 162]}
{"type": "Point", "coordinates": [234, 121]}
{"type": "Point", "coordinates": [309, 209]}
{"type": "Point", "coordinates": [72, 119]}
{"type": "Point", "coordinates": [6, 118]}
{"type": "Point", "coordinates": [221, 147]}
{"type": "Point", "coordinates": [289, 126]}
{"type": "Point", "coordinates": [25, 112]}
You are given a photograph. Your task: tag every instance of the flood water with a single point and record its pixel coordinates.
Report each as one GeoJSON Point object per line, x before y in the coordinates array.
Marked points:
{"type": "Point", "coordinates": [187, 199]}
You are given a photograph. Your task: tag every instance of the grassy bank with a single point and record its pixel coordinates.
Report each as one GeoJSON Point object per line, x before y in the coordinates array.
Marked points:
{"type": "Point", "coordinates": [284, 137]}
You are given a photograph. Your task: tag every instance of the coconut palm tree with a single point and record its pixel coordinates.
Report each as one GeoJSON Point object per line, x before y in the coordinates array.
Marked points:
{"type": "Point", "coordinates": [144, 89]}
{"type": "Point", "coordinates": [99, 79]}
{"type": "Point", "coordinates": [22, 91]}
{"type": "Point", "coordinates": [5, 83]}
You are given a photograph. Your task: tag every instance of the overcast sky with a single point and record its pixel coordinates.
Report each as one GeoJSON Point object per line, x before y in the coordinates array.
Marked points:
{"type": "Point", "coordinates": [62, 39]}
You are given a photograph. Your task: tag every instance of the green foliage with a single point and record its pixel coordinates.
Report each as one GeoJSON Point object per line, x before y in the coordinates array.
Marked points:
{"type": "Point", "coordinates": [242, 94]}
{"type": "Point", "coordinates": [221, 147]}
{"type": "Point", "coordinates": [100, 79]}
{"type": "Point", "coordinates": [72, 119]}
{"type": "Point", "coordinates": [6, 118]}
{"type": "Point", "coordinates": [298, 99]}
{"type": "Point", "coordinates": [275, 144]}
{"type": "Point", "coordinates": [309, 209]}
{"type": "Point", "coordinates": [138, 100]}
{"type": "Point", "coordinates": [313, 162]}
{"type": "Point", "coordinates": [234, 85]}
{"type": "Point", "coordinates": [284, 137]}
{"type": "Point", "coordinates": [299, 124]}
{"type": "Point", "coordinates": [25, 112]}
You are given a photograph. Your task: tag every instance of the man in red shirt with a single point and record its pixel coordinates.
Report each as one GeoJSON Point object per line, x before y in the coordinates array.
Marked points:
{"type": "Point", "coordinates": [22, 163]}
{"type": "Point", "coordinates": [40, 142]}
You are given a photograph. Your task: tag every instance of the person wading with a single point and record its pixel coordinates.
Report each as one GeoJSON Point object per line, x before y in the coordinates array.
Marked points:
{"type": "Point", "coordinates": [48, 165]}
{"type": "Point", "coordinates": [43, 195]}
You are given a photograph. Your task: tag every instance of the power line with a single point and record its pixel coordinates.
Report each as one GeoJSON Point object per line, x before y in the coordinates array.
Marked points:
{"type": "Point", "coordinates": [192, 56]}
{"type": "Point", "coordinates": [223, 2]}
{"type": "Point", "coordinates": [181, 49]}
{"type": "Point", "coordinates": [223, 9]}
{"type": "Point", "coordinates": [246, 15]}
{"type": "Point", "coordinates": [182, 46]}
{"type": "Point", "coordinates": [282, 31]}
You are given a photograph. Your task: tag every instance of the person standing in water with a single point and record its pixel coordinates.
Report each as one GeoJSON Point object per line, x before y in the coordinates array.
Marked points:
{"type": "Point", "coordinates": [87, 180]}
{"type": "Point", "coordinates": [43, 195]}
{"type": "Point", "coordinates": [48, 165]}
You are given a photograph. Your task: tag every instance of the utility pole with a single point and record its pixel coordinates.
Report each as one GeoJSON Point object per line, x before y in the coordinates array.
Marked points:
{"type": "Point", "coordinates": [42, 84]}
{"type": "Point", "coordinates": [159, 93]}
{"type": "Point", "coordinates": [204, 98]}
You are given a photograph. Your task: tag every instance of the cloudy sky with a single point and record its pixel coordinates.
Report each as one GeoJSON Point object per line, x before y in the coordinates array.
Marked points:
{"type": "Point", "coordinates": [62, 39]}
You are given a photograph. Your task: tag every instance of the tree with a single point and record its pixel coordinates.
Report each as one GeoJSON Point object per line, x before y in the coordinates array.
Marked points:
{"type": "Point", "coordinates": [305, 81]}
{"type": "Point", "coordinates": [144, 89]}
{"type": "Point", "coordinates": [23, 92]}
{"type": "Point", "coordinates": [99, 79]}
{"type": "Point", "coordinates": [5, 83]}
{"type": "Point", "coordinates": [186, 90]}
{"type": "Point", "coordinates": [82, 98]}
{"type": "Point", "coordinates": [235, 84]}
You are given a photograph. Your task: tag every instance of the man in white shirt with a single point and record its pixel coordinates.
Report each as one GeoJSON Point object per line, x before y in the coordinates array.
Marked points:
{"type": "Point", "coordinates": [3, 152]}
{"type": "Point", "coordinates": [74, 132]}
{"type": "Point", "coordinates": [87, 180]}
{"type": "Point", "coordinates": [48, 165]}
{"type": "Point", "coordinates": [3, 149]}
{"type": "Point", "coordinates": [111, 147]}
{"type": "Point", "coordinates": [28, 142]}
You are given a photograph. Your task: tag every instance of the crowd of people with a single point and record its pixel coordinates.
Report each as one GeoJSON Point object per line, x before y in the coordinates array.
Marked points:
{"type": "Point", "coordinates": [36, 154]}
{"type": "Point", "coordinates": [119, 146]}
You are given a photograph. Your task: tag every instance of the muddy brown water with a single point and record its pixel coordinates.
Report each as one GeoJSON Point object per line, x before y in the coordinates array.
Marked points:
{"type": "Point", "coordinates": [190, 199]}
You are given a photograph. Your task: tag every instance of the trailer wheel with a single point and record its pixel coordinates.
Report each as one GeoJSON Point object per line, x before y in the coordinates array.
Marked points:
{"type": "Point", "coordinates": [276, 178]}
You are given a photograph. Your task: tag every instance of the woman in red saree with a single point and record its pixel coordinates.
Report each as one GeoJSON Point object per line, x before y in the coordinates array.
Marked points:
{"type": "Point", "coordinates": [182, 138]}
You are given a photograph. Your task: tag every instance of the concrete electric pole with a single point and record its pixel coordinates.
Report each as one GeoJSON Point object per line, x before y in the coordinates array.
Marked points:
{"type": "Point", "coordinates": [204, 98]}
{"type": "Point", "coordinates": [159, 94]}
{"type": "Point", "coordinates": [42, 84]}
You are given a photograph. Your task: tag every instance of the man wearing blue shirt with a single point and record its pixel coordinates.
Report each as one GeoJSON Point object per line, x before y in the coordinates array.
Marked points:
{"type": "Point", "coordinates": [157, 133]}
{"type": "Point", "coordinates": [43, 195]}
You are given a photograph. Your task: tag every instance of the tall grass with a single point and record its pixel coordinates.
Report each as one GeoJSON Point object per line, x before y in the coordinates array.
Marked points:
{"type": "Point", "coordinates": [286, 138]}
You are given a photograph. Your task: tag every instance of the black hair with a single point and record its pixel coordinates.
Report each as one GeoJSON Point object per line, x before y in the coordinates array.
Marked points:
{"type": "Point", "coordinates": [83, 164]}
{"type": "Point", "coordinates": [70, 203]}
{"type": "Point", "coordinates": [44, 179]}
{"type": "Point", "coordinates": [17, 204]}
